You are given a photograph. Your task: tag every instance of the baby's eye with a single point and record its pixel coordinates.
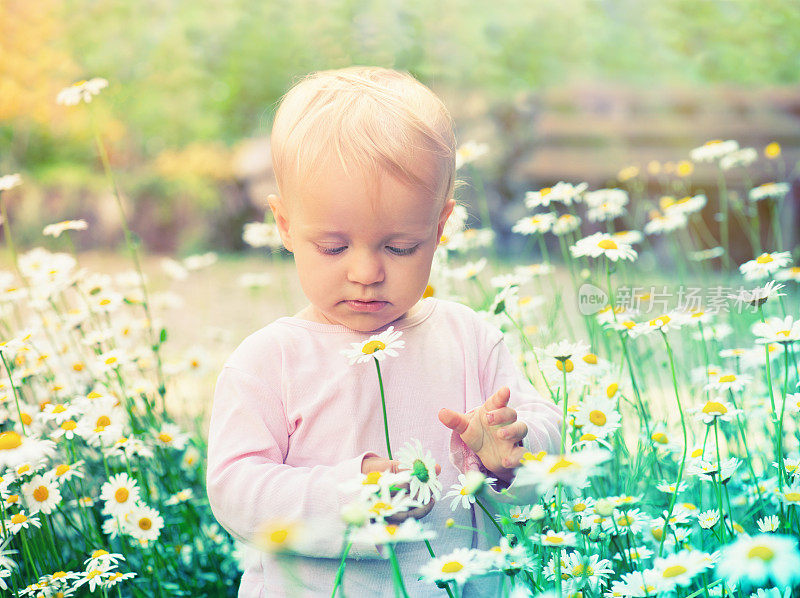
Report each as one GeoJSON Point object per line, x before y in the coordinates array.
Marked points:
{"type": "Point", "coordinates": [331, 250]}
{"type": "Point", "coordinates": [402, 250]}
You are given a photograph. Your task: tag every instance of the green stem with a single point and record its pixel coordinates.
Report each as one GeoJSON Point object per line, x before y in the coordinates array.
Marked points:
{"type": "Point", "coordinates": [685, 445]}
{"type": "Point", "coordinates": [396, 570]}
{"type": "Point", "coordinates": [383, 406]}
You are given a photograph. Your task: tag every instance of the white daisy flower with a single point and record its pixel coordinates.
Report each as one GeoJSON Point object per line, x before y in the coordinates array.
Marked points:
{"type": "Point", "coordinates": [602, 244]}
{"type": "Point", "coordinates": [16, 449]}
{"type": "Point", "coordinates": [565, 193]}
{"type": "Point", "coordinates": [687, 205]}
{"type": "Point", "coordinates": [120, 493]}
{"type": "Point", "coordinates": [171, 436]}
{"type": "Point", "coordinates": [424, 483]}
{"type": "Point", "coordinates": [464, 491]}
{"type": "Point", "coordinates": [792, 273]}
{"type": "Point", "coordinates": [728, 381]}
{"type": "Point", "coordinates": [410, 530]}
{"type": "Point", "coordinates": [777, 330]}
{"type": "Point", "coordinates": [765, 265]}
{"type": "Point", "coordinates": [41, 494]}
{"type": "Point", "coordinates": [456, 567]}
{"type": "Point", "coordinates": [760, 559]}
{"type": "Point", "coordinates": [743, 157]}
{"type": "Point", "coordinates": [769, 191]}
{"type": "Point", "coordinates": [713, 150]}
{"type": "Point", "coordinates": [262, 234]}
{"type": "Point", "coordinates": [770, 523]}
{"type": "Point", "coordinates": [666, 222]}
{"type": "Point", "coordinates": [571, 470]}
{"type": "Point", "coordinates": [681, 568]}
{"type": "Point", "coordinates": [598, 415]}
{"type": "Point", "coordinates": [20, 521]}
{"type": "Point", "coordinates": [535, 224]}
{"type": "Point", "coordinates": [469, 151]}
{"type": "Point", "coordinates": [199, 261]}
{"type": "Point", "coordinates": [708, 519]}
{"type": "Point", "coordinates": [565, 224]}
{"type": "Point", "coordinates": [143, 523]}
{"type": "Point", "coordinates": [55, 230]}
{"type": "Point", "coordinates": [377, 346]}
{"type": "Point", "coordinates": [81, 91]}
{"type": "Point", "coordinates": [554, 539]}
{"type": "Point", "coordinates": [469, 270]}
{"type": "Point", "coordinates": [9, 181]}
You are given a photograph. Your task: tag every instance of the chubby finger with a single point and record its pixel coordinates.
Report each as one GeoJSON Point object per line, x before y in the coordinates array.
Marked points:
{"type": "Point", "coordinates": [370, 464]}
{"type": "Point", "coordinates": [453, 420]}
{"type": "Point", "coordinates": [513, 458]}
{"type": "Point", "coordinates": [501, 416]}
{"type": "Point", "coordinates": [498, 399]}
{"type": "Point", "coordinates": [513, 432]}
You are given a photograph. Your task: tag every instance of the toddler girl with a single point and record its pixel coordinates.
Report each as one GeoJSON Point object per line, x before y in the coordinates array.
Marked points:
{"type": "Point", "coordinates": [365, 165]}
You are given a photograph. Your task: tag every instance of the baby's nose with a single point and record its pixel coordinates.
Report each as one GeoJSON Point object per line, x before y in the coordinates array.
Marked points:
{"type": "Point", "coordinates": [365, 268]}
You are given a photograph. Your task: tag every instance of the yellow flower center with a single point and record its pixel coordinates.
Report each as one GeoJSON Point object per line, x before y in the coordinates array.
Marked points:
{"type": "Point", "coordinates": [660, 321]}
{"type": "Point", "coordinates": [59, 409]}
{"type": "Point", "coordinates": [99, 552]}
{"type": "Point", "coordinates": [712, 407]}
{"type": "Point", "coordinates": [452, 567]}
{"type": "Point", "coordinates": [674, 571]}
{"type": "Point", "coordinates": [372, 478]}
{"type": "Point", "coordinates": [625, 520]}
{"type": "Point", "coordinates": [12, 499]}
{"type": "Point", "coordinates": [18, 518]}
{"type": "Point", "coordinates": [146, 524]}
{"type": "Point", "coordinates": [164, 437]}
{"type": "Point", "coordinates": [10, 440]}
{"type": "Point", "coordinates": [784, 332]}
{"type": "Point", "coordinates": [659, 437]}
{"type": "Point", "coordinates": [590, 358]}
{"type": "Point", "coordinates": [579, 507]}
{"type": "Point", "coordinates": [380, 506]}
{"type": "Point", "coordinates": [657, 533]}
{"type": "Point", "coordinates": [565, 365]}
{"type": "Point", "coordinates": [562, 463]}
{"type": "Point", "coordinates": [612, 389]}
{"type": "Point", "coordinates": [764, 258]}
{"type": "Point", "coordinates": [727, 378]}
{"type": "Point", "coordinates": [121, 495]}
{"type": "Point", "coordinates": [773, 150]}
{"type": "Point", "coordinates": [598, 418]}
{"type": "Point", "coordinates": [93, 395]}
{"type": "Point", "coordinates": [26, 419]}
{"type": "Point", "coordinates": [372, 347]}
{"type": "Point", "coordinates": [62, 469]}
{"type": "Point", "coordinates": [761, 552]}
{"type": "Point", "coordinates": [41, 493]}
{"type": "Point", "coordinates": [792, 496]}
{"type": "Point", "coordinates": [69, 425]}
{"type": "Point", "coordinates": [391, 529]}
{"type": "Point", "coordinates": [607, 244]}
{"type": "Point", "coordinates": [103, 421]}
{"type": "Point", "coordinates": [554, 539]}
{"type": "Point", "coordinates": [587, 437]}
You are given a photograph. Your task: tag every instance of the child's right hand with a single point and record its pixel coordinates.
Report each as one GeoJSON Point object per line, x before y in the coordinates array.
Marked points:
{"type": "Point", "coordinates": [380, 464]}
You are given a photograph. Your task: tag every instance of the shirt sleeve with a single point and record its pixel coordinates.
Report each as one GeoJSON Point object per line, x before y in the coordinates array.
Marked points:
{"type": "Point", "coordinates": [248, 482]}
{"type": "Point", "coordinates": [541, 416]}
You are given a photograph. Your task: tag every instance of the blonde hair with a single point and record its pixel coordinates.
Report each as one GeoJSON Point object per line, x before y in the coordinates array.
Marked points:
{"type": "Point", "coordinates": [374, 119]}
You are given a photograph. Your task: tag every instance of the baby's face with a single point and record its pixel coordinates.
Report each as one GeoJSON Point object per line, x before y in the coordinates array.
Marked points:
{"type": "Point", "coordinates": [363, 261]}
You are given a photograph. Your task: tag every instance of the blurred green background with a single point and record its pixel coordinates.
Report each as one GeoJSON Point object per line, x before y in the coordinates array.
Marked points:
{"type": "Point", "coordinates": [570, 90]}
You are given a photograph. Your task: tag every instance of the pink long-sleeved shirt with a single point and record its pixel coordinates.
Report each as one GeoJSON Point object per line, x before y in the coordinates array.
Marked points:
{"type": "Point", "coordinates": [292, 419]}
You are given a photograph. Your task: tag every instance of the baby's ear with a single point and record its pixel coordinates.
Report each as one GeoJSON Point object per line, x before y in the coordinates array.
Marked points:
{"type": "Point", "coordinates": [281, 219]}
{"type": "Point", "coordinates": [447, 209]}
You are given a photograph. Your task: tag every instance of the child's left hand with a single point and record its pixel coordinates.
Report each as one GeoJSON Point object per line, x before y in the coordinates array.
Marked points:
{"type": "Point", "coordinates": [492, 432]}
